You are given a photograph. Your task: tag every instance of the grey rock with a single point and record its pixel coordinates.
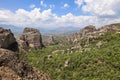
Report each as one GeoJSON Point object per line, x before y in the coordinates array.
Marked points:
{"type": "Point", "coordinates": [32, 37]}
{"type": "Point", "coordinates": [22, 45]}
{"type": "Point", "coordinates": [7, 40]}
{"type": "Point", "coordinates": [67, 62]}
{"type": "Point", "coordinates": [12, 68]}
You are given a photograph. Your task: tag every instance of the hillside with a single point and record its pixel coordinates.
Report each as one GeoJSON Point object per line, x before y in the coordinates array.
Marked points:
{"type": "Point", "coordinates": [99, 60]}
{"type": "Point", "coordinates": [89, 54]}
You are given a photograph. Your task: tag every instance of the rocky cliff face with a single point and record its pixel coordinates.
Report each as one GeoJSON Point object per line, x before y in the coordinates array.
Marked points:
{"type": "Point", "coordinates": [30, 38]}
{"type": "Point", "coordinates": [7, 40]}
{"type": "Point", "coordinates": [83, 33]}
{"type": "Point", "coordinates": [11, 66]}
{"type": "Point", "coordinates": [22, 45]}
{"type": "Point", "coordinates": [91, 32]}
{"type": "Point", "coordinates": [110, 28]}
{"type": "Point", "coordinates": [49, 40]}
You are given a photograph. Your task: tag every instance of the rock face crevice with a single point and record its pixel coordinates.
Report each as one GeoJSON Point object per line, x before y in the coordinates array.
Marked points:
{"type": "Point", "coordinates": [13, 47]}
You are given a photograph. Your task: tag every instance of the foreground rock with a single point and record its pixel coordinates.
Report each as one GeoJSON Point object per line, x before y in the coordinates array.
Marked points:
{"type": "Point", "coordinates": [7, 40]}
{"type": "Point", "coordinates": [22, 45]}
{"type": "Point", "coordinates": [12, 68]}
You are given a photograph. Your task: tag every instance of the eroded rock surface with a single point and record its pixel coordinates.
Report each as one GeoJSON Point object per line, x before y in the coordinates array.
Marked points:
{"type": "Point", "coordinates": [22, 45]}
{"type": "Point", "coordinates": [90, 32]}
{"type": "Point", "coordinates": [32, 38]}
{"type": "Point", "coordinates": [12, 68]}
{"type": "Point", "coordinates": [7, 40]}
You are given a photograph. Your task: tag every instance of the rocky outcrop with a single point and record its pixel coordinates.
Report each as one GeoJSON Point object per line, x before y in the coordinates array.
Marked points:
{"type": "Point", "coordinates": [12, 68]}
{"type": "Point", "coordinates": [51, 40]}
{"type": "Point", "coordinates": [90, 32]}
{"type": "Point", "coordinates": [22, 45]}
{"type": "Point", "coordinates": [32, 37]}
{"type": "Point", "coordinates": [7, 40]}
{"type": "Point", "coordinates": [89, 28]}
{"type": "Point", "coordinates": [110, 28]}
{"type": "Point", "coordinates": [48, 40]}
{"type": "Point", "coordinates": [86, 32]}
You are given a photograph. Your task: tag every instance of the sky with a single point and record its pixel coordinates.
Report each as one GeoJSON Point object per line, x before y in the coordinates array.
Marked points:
{"type": "Point", "coordinates": [59, 13]}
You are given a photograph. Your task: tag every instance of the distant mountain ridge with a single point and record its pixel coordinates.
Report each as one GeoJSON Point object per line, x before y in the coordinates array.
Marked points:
{"type": "Point", "coordinates": [14, 29]}
{"type": "Point", "coordinates": [50, 31]}
{"type": "Point", "coordinates": [62, 30]}
{"type": "Point", "coordinates": [45, 31]}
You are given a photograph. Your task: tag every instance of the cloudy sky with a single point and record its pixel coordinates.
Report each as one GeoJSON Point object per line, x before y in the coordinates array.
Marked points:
{"type": "Point", "coordinates": [59, 13]}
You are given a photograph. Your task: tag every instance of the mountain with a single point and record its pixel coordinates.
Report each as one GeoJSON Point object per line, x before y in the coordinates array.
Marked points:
{"type": "Point", "coordinates": [61, 30]}
{"type": "Point", "coordinates": [46, 31]}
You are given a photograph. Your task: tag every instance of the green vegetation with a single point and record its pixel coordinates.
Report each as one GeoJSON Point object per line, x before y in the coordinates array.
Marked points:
{"type": "Point", "coordinates": [98, 64]}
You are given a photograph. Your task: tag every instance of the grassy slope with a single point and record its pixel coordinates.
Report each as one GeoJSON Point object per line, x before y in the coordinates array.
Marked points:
{"type": "Point", "coordinates": [97, 64]}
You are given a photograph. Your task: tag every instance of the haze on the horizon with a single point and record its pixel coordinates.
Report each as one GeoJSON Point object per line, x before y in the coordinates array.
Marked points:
{"type": "Point", "coordinates": [59, 13]}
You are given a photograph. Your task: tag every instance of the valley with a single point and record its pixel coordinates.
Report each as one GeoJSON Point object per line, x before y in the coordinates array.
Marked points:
{"type": "Point", "coordinates": [89, 54]}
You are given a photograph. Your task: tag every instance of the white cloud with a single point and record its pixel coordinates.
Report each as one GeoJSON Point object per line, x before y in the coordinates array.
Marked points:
{"type": "Point", "coordinates": [47, 19]}
{"type": "Point", "coordinates": [65, 5]}
{"type": "Point", "coordinates": [32, 6]}
{"type": "Point", "coordinates": [43, 4]}
{"type": "Point", "coordinates": [79, 2]}
{"type": "Point", "coordinates": [27, 18]}
{"type": "Point", "coordinates": [102, 7]}
{"type": "Point", "coordinates": [88, 0]}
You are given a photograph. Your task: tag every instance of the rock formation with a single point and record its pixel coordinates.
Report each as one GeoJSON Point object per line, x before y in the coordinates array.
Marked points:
{"type": "Point", "coordinates": [12, 68]}
{"type": "Point", "coordinates": [50, 40]}
{"type": "Point", "coordinates": [90, 32]}
{"type": "Point", "coordinates": [87, 31]}
{"type": "Point", "coordinates": [22, 45]}
{"type": "Point", "coordinates": [110, 28]}
{"type": "Point", "coordinates": [7, 40]}
{"type": "Point", "coordinates": [32, 37]}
